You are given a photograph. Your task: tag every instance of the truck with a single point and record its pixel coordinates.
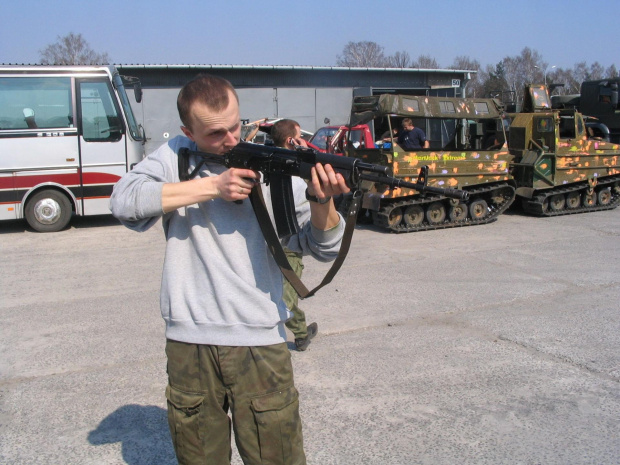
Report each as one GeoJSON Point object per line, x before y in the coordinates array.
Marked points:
{"type": "Point", "coordinates": [598, 104]}
{"type": "Point", "coordinates": [559, 167]}
{"type": "Point", "coordinates": [335, 139]}
{"type": "Point", "coordinates": [467, 151]}
{"type": "Point", "coordinates": [67, 135]}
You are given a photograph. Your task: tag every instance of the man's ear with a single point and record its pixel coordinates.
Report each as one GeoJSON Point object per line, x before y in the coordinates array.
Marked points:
{"type": "Point", "coordinates": [187, 133]}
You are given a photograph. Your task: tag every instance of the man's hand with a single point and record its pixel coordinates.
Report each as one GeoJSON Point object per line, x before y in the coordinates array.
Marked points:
{"type": "Point", "coordinates": [326, 182]}
{"type": "Point", "coordinates": [236, 183]}
{"type": "Point", "coordinates": [232, 185]}
{"type": "Point", "coordinates": [293, 142]}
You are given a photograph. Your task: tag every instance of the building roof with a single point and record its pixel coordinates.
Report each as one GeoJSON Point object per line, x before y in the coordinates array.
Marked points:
{"type": "Point", "coordinates": [289, 67]}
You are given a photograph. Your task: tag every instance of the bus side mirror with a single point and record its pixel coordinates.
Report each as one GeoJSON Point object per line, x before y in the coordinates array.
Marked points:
{"type": "Point", "coordinates": [137, 92]}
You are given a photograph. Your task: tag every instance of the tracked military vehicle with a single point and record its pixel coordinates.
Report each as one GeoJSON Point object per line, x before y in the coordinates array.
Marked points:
{"type": "Point", "coordinates": [559, 167]}
{"type": "Point", "coordinates": [467, 151]}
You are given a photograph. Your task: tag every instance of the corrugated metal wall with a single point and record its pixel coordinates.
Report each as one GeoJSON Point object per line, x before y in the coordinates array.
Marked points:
{"type": "Point", "coordinates": [307, 95]}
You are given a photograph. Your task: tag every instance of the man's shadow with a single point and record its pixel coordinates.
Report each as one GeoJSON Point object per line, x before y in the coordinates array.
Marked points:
{"type": "Point", "coordinates": [142, 431]}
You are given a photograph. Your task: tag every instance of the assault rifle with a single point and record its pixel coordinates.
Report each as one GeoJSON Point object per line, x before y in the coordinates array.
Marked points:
{"type": "Point", "coordinates": [279, 164]}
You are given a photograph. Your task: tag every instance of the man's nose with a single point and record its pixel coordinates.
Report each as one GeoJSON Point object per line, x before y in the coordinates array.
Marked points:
{"type": "Point", "coordinates": [231, 138]}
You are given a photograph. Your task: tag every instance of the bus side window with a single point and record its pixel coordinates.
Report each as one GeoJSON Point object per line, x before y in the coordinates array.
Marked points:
{"type": "Point", "coordinates": [99, 115]}
{"type": "Point", "coordinates": [35, 102]}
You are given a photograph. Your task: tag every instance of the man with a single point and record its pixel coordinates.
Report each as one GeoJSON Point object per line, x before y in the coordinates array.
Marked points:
{"type": "Point", "coordinates": [286, 133]}
{"type": "Point", "coordinates": [412, 138]}
{"type": "Point", "coordinates": [221, 292]}
{"type": "Point", "coordinates": [388, 135]}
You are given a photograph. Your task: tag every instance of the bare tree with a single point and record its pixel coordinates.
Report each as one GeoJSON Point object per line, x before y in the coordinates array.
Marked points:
{"type": "Point", "coordinates": [71, 49]}
{"type": "Point", "coordinates": [507, 79]}
{"type": "Point", "coordinates": [362, 55]}
{"type": "Point", "coordinates": [534, 66]}
{"type": "Point", "coordinates": [611, 72]}
{"type": "Point", "coordinates": [526, 68]}
{"type": "Point", "coordinates": [566, 81]}
{"type": "Point", "coordinates": [495, 84]}
{"type": "Point", "coordinates": [399, 60]}
{"type": "Point", "coordinates": [596, 71]}
{"type": "Point", "coordinates": [425, 62]}
{"type": "Point", "coordinates": [465, 63]}
{"type": "Point", "coordinates": [474, 86]}
{"type": "Point", "coordinates": [580, 73]}
{"type": "Point", "coordinates": [571, 79]}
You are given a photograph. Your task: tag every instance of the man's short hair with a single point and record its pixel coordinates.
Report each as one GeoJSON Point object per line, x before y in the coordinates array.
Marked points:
{"type": "Point", "coordinates": [407, 122]}
{"type": "Point", "coordinates": [209, 90]}
{"type": "Point", "coordinates": [282, 130]}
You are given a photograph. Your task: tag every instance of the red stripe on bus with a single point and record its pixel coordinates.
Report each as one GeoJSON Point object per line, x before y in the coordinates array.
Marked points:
{"type": "Point", "coordinates": [17, 202]}
{"type": "Point", "coordinates": [69, 179]}
{"type": "Point", "coordinates": [100, 178]}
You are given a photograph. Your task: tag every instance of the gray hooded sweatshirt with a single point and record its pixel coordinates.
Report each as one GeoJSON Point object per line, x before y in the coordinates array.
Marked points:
{"type": "Point", "coordinates": [220, 284]}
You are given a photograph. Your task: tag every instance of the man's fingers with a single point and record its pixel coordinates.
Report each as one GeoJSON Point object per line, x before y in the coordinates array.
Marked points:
{"type": "Point", "coordinates": [342, 183]}
{"type": "Point", "coordinates": [237, 183]}
{"type": "Point", "coordinates": [245, 173]}
{"type": "Point", "coordinates": [331, 175]}
{"type": "Point", "coordinates": [326, 181]}
{"type": "Point", "coordinates": [320, 174]}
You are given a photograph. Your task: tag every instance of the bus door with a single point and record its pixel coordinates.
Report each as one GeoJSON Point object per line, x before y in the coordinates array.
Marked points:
{"type": "Point", "coordinates": [102, 143]}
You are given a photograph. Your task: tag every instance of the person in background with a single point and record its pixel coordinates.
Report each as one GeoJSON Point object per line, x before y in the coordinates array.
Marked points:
{"type": "Point", "coordinates": [412, 138]}
{"type": "Point", "coordinates": [286, 133]}
{"type": "Point", "coordinates": [387, 135]}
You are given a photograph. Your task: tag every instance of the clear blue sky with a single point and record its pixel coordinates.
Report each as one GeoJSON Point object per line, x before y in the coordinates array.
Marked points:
{"type": "Point", "coordinates": [289, 32]}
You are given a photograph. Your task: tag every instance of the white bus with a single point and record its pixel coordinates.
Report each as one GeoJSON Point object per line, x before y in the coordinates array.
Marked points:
{"type": "Point", "coordinates": [67, 134]}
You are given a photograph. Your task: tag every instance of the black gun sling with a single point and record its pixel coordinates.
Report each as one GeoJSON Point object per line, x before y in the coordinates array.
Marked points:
{"type": "Point", "coordinates": [275, 247]}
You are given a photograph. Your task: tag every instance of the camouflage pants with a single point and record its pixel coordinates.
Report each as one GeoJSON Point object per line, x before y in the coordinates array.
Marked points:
{"type": "Point", "coordinates": [255, 383]}
{"type": "Point", "coordinates": [297, 323]}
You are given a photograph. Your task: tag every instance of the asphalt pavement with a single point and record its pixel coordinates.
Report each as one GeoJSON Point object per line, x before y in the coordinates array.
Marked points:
{"type": "Point", "coordinates": [493, 344]}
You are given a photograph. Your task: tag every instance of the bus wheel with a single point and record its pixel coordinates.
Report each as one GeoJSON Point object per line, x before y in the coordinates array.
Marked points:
{"type": "Point", "coordinates": [48, 211]}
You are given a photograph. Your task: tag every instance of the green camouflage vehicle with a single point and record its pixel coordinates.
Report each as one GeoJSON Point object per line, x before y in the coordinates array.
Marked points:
{"type": "Point", "coordinates": [467, 151]}
{"type": "Point", "coordinates": [559, 167]}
